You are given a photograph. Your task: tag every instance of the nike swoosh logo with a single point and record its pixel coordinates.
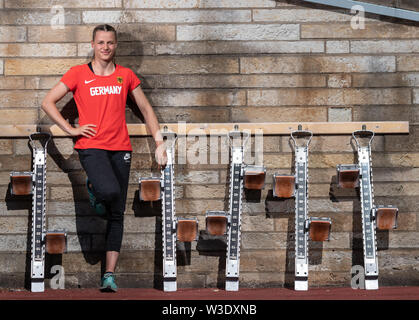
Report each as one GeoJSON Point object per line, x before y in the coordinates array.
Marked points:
{"type": "Point", "coordinates": [86, 82]}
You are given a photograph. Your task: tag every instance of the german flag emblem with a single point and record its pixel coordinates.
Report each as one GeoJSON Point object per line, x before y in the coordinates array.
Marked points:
{"type": "Point", "coordinates": [119, 79]}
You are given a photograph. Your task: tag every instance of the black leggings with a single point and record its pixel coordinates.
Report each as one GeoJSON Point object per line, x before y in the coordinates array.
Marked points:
{"type": "Point", "coordinates": [108, 172]}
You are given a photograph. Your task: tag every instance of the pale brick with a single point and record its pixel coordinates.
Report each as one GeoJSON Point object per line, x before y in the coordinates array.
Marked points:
{"type": "Point", "coordinates": [160, 4]}
{"type": "Point", "coordinates": [12, 83]}
{"type": "Point", "coordinates": [13, 243]}
{"type": "Point", "coordinates": [6, 146]}
{"type": "Point", "coordinates": [235, 81]}
{"type": "Point", "coordinates": [385, 46]}
{"type": "Point", "coordinates": [337, 46]}
{"type": "Point", "coordinates": [198, 98]}
{"type": "Point", "coordinates": [339, 114]}
{"type": "Point", "coordinates": [300, 15]}
{"type": "Point", "coordinates": [1, 67]}
{"type": "Point", "coordinates": [12, 34]}
{"type": "Point", "coordinates": [372, 31]}
{"type": "Point", "coordinates": [317, 64]}
{"type": "Point", "coordinates": [35, 82]}
{"type": "Point", "coordinates": [28, 17]}
{"type": "Point", "coordinates": [268, 114]}
{"type": "Point", "coordinates": [197, 177]}
{"type": "Point", "coordinates": [38, 50]}
{"type": "Point", "coordinates": [339, 81]}
{"type": "Point", "coordinates": [14, 225]}
{"type": "Point", "coordinates": [233, 32]}
{"type": "Point", "coordinates": [408, 63]}
{"type": "Point", "coordinates": [207, 192]}
{"type": "Point", "coordinates": [416, 96]}
{"type": "Point", "coordinates": [239, 47]}
{"type": "Point", "coordinates": [40, 66]}
{"type": "Point", "coordinates": [18, 116]}
{"type": "Point", "coordinates": [237, 4]}
{"type": "Point", "coordinates": [47, 4]}
{"type": "Point", "coordinates": [180, 65]}
{"type": "Point", "coordinates": [385, 113]}
{"type": "Point", "coordinates": [332, 97]}
{"type": "Point", "coordinates": [166, 16]}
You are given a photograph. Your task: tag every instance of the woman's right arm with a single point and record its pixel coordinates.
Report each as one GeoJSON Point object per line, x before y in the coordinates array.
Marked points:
{"type": "Point", "coordinates": [49, 105]}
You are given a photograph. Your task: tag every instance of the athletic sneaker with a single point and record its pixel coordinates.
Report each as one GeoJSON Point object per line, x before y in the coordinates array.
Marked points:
{"type": "Point", "coordinates": [108, 283]}
{"type": "Point", "coordinates": [99, 207]}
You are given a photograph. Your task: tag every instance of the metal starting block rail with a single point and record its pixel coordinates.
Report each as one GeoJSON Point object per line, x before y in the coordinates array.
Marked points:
{"type": "Point", "coordinates": [286, 186]}
{"type": "Point", "coordinates": [173, 228]}
{"type": "Point", "coordinates": [26, 183]}
{"type": "Point", "coordinates": [373, 217]}
{"type": "Point", "coordinates": [220, 223]}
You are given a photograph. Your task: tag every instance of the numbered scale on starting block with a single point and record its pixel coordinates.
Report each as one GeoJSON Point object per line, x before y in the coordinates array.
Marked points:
{"type": "Point", "coordinates": [221, 223]}
{"type": "Point", "coordinates": [34, 183]}
{"type": "Point", "coordinates": [173, 228]}
{"type": "Point", "coordinates": [373, 217]}
{"type": "Point", "coordinates": [288, 186]}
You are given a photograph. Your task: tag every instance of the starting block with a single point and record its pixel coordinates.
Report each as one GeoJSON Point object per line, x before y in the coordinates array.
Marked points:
{"type": "Point", "coordinates": [348, 176]}
{"type": "Point", "coordinates": [380, 217]}
{"type": "Point", "coordinates": [34, 182]}
{"type": "Point", "coordinates": [56, 242]}
{"type": "Point", "coordinates": [254, 177]}
{"type": "Point", "coordinates": [21, 183]}
{"type": "Point", "coordinates": [216, 223]}
{"type": "Point", "coordinates": [385, 217]}
{"type": "Point", "coordinates": [283, 186]}
{"type": "Point", "coordinates": [186, 229]}
{"type": "Point", "coordinates": [150, 189]}
{"type": "Point", "coordinates": [319, 228]}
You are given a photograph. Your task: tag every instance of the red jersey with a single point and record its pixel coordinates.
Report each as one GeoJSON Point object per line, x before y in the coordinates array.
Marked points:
{"type": "Point", "coordinates": [101, 101]}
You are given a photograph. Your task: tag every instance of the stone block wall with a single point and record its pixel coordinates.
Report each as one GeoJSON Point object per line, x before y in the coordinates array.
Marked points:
{"type": "Point", "coordinates": [217, 61]}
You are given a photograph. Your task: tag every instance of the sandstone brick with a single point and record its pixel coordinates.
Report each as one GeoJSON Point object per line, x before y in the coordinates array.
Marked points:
{"type": "Point", "coordinates": [181, 65]}
{"type": "Point", "coordinates": [300, 15]}
{"type": "Point", "coordinates": [38, 50]}
{"type": "Point", "coordinates": [197, 98]}
{"type": "Point", "coordinates": [236, 4]}
{"type": "Point", "coordinates": [6, 147]}
{"type": "Point", "coordinates": [19, 99]}
{"type": "Point", "coordinates": [408, 63]}
{"type": "Point", "coordinates": [372, 31]}
{"type": "Point", "coordinates": [30, 17]}
{"type": "Point", "coordinates": [39, 66]}
{"type": "Point", "coordinates": [206, 192]}
{"type": "Point", "coordinates": [1, 67]}
{"type": "Point", "coordinates": [18, 116]}
{"type": "Point", "coordinates": [12, 83]}
{"type": "Point", "coordinates": [12, 34]}
{"type": "Point", "coordinates": [314, 64]}
{"type": "Point", "coordinates": [166, 16]}
{"type": "Point", "coordinates": [334, 97]}
{"type": "Point", "coordinates": [47, 4]}
{"type": "Point", "coordinates": [235, 81]}
{"type": "Point", "coordinates": [239, 47]}
{"type": "Point", "coordinates": [385, 46]}
{"type": "Point", "coordinates": [14, 225]}
{"type": "Point", "coordinates": [233, 32]}
{"type": "Point", "coordinates": [160, 4]}
{"type": "Point", "coordinates": [386, 80]}
{"type": "Point", "coordinates": [267, 114]}
{"type": "Point", "coordinates": [385, 113]}
{"type": "Point", "coordinates": [13, 243]}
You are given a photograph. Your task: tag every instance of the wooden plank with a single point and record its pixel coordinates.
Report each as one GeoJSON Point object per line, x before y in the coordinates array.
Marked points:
{"type": "Point", "coordinates": [266, 128]}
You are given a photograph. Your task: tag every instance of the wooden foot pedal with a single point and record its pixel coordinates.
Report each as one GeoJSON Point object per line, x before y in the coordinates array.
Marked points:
{"type": "Point", "coordinates": [283, 186]}
{"type": "Point", "coordinates": [254, 177]}
{"type": "Point", "coordinates": [216, 223]}
{"type": "Point", "coordinates": [150, 189]}
{"type": "Point", "coordinates": [20, 183]}
{"type": "Point", "coordinates": [56, 242]}
{"type": "Point", "coordinates": [319, 228]}
{"type": "Point", "coordinates": [348, 176]}
{"type": "Point", "coordinates": [187, 229]}
{"type": "Point", "coordinates": [386, 217]}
